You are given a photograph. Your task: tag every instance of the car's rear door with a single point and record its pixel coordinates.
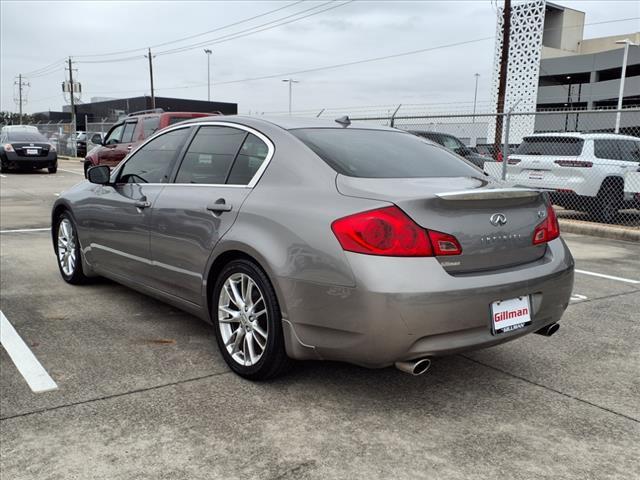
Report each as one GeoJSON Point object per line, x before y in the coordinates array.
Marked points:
{"type": "Point", "coordinates": [191, 214]}
{"type": "Point", "coordinates": [117, 217]}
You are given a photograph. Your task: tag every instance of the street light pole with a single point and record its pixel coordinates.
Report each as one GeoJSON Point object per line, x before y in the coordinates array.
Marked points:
{"type": "Point", "coordinates": [626, 43]}
{"type": "Point", "coordinates": [290, 81]}
{"type": "Point", "coordinates": [208, 52]}
{"type": "Point", "coordinates": [475, 97]}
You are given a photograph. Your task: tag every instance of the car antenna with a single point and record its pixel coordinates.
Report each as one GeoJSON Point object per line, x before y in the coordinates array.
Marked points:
{"type": "Point", "coordinates": [344, 121]}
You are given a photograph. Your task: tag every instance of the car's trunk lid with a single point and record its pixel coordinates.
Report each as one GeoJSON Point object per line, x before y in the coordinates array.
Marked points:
{"type": "Point", "coordinates": [464, 207]}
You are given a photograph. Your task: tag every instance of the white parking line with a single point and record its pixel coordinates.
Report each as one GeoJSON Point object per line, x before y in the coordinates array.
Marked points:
{"type": "Point", "coordinates": [24, 359]}
{"type": "Point", "coordinates": [71, 171]}
{"type": "Point", "coordinates": [576, 297]}
{"type": "Point", "coordinates": [25, 230]}
{"type": "Point", "coordinates": [3, 176]}
{"type": "Point", "coordinates": [610, 277]}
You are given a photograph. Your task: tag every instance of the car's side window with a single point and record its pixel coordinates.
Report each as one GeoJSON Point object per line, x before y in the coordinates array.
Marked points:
{"type": "Point", "coordinates": [606, 149]}
{"type": "Point", "coordinates": [150, 125]}
{"type": "Point", "coordinates": [629, 150]}
{"type": "Point", "coordinates": [152, 163]}
{"type": "Point", "coordinates": [114, 135]}
{"type": "Point", "coordinates": [127, 133]}
{"type": "Point", "coordinates": [210, 155]}
{"type": "Point", "coordinates": [250, 158]}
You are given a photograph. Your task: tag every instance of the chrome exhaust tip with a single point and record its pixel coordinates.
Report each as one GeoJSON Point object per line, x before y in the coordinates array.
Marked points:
{"type": "Point", "coordinates": [414, 367]}
{"type": "Point", "coordinates": [548, 330]}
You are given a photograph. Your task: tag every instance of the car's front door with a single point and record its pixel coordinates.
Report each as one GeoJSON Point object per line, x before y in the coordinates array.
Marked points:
{"type": "Point", "coordinates": [120, 214]}
{"type": "Point", "coordinates": [192, 213]}
{"type": "Point", "coordinates": [106, 154]}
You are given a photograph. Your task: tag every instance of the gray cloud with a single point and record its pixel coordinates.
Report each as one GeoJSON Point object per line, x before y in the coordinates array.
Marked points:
{"type": "Point", "coordinates": [359, 30]}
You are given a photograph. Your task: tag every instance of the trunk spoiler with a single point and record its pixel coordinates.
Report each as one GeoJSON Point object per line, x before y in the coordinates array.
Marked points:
{"type": "Point", "coordinates": [488, 194]}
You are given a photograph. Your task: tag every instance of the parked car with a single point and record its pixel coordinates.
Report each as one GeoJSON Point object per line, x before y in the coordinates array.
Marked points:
{"type": "Point", "coordinates": [310, 240]}
{"type": "Point", "coordinates": [127, 134]}
{"type": "Point", "coordinates": [585, 170]}
{"type": "Point", "coordinates": [24, 148]}
{"type": "Point", "coordinates": [490, 150]}
{"type": "Point", "coordinates": [454, 144]}
{"type": "Point", "coordinates": [87, 141]}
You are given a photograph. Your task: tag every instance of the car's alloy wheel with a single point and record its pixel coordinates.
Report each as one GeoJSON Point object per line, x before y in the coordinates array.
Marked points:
{"type": "Point", "coordinates": [68, 250]}
{"type": "Point", "coordinates": [248, 321]}
{"type": "Point", "coordinates": [243, 319]}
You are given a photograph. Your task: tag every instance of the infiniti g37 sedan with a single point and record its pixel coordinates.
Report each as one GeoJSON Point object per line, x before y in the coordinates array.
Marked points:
{"type": "Point", "coordinates": [310, 239]}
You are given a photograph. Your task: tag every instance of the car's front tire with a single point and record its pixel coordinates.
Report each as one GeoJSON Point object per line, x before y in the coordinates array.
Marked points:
{"type": "Point", "coordinates": [53, 169]}
{"type": "Point", "coordinates": [67, 248]}
{"type": "Point", "coordinates": [247, 321]}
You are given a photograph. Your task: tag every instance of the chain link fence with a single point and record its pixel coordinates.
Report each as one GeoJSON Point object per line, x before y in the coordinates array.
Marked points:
{"type": "Point", "coordinates": [588, 160]}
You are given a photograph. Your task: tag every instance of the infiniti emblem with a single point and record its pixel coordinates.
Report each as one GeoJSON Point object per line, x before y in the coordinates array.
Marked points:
{"type": "Point", "coordinates": [498, 219]}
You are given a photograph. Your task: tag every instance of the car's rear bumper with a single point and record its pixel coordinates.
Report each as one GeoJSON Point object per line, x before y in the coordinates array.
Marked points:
{"type": "Point", "coordinates": [13, 160]}
{"type": "Point", "coordinates": [407, 308]}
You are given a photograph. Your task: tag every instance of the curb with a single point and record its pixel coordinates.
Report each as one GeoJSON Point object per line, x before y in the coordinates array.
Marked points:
{"type": "Point", "coordinates": [73, 159]}
{"type": "Point", "coordinates": [597, 230]}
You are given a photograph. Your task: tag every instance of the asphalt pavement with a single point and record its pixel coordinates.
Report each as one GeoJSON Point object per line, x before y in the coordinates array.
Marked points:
{"type": "Point", "coordinates": [144, 393]}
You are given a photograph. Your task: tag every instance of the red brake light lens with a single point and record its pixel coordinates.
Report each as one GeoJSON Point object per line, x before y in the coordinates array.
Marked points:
{"type": "Point", "coordinates": [390, 232]}
{"type": "Point", "coordinates": [548, 230]}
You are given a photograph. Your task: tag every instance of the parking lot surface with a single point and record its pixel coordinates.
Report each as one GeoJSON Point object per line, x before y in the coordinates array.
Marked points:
{"type": "Point", "coordinates": [144, 393]}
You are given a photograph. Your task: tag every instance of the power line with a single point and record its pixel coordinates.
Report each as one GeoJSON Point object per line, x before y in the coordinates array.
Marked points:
{"type": "Point", "coordinates": [224, 27]}
{"type": "Point", "coordinates": [252, 30]}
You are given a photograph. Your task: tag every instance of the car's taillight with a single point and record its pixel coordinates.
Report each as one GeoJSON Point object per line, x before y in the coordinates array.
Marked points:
{"type": "Point", "coordinates": [499, 157]}
{"type": "Point", "coordinates": [548, 230]}
{"type": "Point", "coordinates": [52, 147]}
{"type": "Point", "coordinates": [8, 147]}
{"type": "Point", "coordinates": [390, 232]}
{"type": "Point", "coordinates": [574, 163]}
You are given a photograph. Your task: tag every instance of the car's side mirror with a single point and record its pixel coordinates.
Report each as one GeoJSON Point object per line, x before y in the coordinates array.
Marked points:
{"type": "Point", "coordinates": [96, 139]}
{"type": "Point", "coordinates": [100, 174]}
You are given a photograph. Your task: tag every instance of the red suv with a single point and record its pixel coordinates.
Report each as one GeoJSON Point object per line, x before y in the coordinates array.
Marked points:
{"type": "Point", "coordinates": [128, 133]}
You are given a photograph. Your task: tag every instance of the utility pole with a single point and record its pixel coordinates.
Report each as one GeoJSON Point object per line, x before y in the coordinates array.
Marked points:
{"type": "Point", "coordinates": [290, 81]}
{"type": "Point", "coordinates": [623, 74]}
{"type": "Point", "coordinates": [73, 109]}
{"type": "Point", "coordinates": [20, 84]}
{"type": "Point", "coordinates": [504, 62]}
{"type": "Point", "coordinates": [475, 97]}
{"type": "Point", "coordinates": [153, 97]}
{"type": "Point", "coordinates": [208, 52]}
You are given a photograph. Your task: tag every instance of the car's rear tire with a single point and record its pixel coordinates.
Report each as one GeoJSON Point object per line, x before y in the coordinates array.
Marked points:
{"type": "Point", "coordinates": [247, 321]}
{"type": "Point", "coordinates": [67, 248]}
{"type": "Point", "coordinates": [608, 201]}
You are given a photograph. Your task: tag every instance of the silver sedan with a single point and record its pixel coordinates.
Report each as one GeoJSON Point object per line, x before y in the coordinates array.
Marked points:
{"type": "Point", "coordinates": [309, 239]}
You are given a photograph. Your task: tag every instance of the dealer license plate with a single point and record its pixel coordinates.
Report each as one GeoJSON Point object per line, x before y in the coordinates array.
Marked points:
{"type": "Point", "coordinates": [509, 315]}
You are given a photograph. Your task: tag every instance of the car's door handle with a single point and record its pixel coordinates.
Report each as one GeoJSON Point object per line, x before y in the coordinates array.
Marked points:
{"type": "Point", "coordinates": [142, 203]}
{"type": "Point", "coordinates": [219, 206]}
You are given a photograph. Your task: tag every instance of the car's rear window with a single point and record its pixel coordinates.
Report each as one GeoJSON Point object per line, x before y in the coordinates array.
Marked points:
{"type": "Point", "coordinates": [382, 154]}
{"type": "Point", "coordinates": [565, 146]}
{"type": "Point", "coordinates": [25, 136]}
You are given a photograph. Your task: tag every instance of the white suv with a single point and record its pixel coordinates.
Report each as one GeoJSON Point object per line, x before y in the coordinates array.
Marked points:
{"type": "Point", "coordinates": [585, 171]}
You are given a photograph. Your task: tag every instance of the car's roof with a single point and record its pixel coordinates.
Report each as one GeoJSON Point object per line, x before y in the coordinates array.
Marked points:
{"type": "Point", "coordinates": [288, 123]}
{"type": "Point", "coordinates": [585, 136]}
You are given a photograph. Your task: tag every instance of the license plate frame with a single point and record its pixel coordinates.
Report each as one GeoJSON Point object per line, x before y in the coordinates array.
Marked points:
{"type": "Point", "coordinates": [510, 314]}
{"type": "Point", "coordinates": [31, 151]}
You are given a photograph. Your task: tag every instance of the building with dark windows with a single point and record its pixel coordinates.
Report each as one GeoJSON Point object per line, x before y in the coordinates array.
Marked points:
{"type": "Point", "coordinates": [111, 110]}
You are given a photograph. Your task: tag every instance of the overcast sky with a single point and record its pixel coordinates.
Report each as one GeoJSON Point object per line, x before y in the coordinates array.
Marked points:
{"type": "Point", "coordinates": [36, 34]}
